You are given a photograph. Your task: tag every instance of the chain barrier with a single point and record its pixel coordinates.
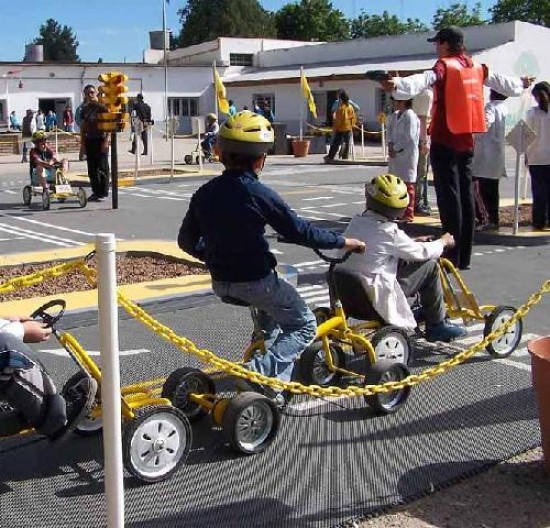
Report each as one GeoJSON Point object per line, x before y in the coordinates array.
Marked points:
{"type": "Point", "coordinates": [235, 369]}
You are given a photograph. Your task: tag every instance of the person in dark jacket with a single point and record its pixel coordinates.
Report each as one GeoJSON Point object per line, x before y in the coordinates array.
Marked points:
{"type": "Point", "coordinates": [142, 112]}
{"type": "Point", "coordinates": [225, 227]}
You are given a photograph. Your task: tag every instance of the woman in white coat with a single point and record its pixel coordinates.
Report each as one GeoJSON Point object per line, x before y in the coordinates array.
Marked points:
{"type": "Point", "coordinates": [403, 138]}
{"type": "Point", "coordinates": [489, 158]}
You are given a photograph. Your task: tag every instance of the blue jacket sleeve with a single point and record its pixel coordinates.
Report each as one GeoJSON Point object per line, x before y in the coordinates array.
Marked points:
{"type": "Point", "coordinates": [189, 236]}
{"type": "Point", "coordinates": [289, 225]}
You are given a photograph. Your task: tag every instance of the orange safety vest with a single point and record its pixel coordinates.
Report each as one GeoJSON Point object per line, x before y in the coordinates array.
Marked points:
{"type": "Point", "coordinates": [464, 103]}
{"type": "Point", "coordinates": [344, 118]}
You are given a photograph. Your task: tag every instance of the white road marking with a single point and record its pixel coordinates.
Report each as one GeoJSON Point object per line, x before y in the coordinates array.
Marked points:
{"type": "Point", "coordinates": [318, 198]}
{"type": "Point", "coordinates": [43, 237]}
{"type": "Point", "coordinates": [63, 353]}
{"type": "Point", "coordinates": [45, 224]}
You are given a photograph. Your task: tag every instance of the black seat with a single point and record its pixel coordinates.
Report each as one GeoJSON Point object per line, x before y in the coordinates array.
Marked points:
{"type": "Point", "coordinates": [233, 300]}
{"type": "Point", "coordinates": [351, 289]}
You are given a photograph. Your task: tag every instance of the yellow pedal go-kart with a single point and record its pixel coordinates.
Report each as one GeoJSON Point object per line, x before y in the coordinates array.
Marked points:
{"type": "Point", "coordinates": [156, 436]}
{"type": "Point", "coordinates": [59, 188]}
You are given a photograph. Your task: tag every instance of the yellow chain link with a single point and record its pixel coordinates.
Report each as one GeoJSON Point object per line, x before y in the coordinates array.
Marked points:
{"type": "Point", "coordinates": [235, 369]}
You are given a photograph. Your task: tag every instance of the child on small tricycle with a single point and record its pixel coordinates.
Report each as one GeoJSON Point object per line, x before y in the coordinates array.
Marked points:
{"type": "Point", "coordinates": [43, 162]}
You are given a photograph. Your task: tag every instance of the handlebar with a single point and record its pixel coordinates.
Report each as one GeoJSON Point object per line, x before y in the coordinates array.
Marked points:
{"type": "Point", "coordinates": [326, 258]}
{"type": "Point", "coordinates": [47, 318]}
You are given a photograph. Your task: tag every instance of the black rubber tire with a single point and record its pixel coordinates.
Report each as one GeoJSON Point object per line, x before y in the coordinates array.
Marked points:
{"type": "Point", "coordinates": [188, 159]}
{"type": "Point", "coordinates": [62, 200]}
{"type": "Point", "coordinates": [184, 381]}
{"type": "Point", "coordinates": [313, 367]}
{"type": "Point", "coordinates": [244, 413]}
{"type": "Point", "coordinates": [136, 431]}
{"type": "Point", "coordinates": [322, 314]}
{"type": "Point", "coordinates": [381, 372]}
{"type": "Point", "coordinates": [27, 195]}
{"type": "Point", "coordinates": [88, 426]}
{"type": "Point", "coordinates": [393, 344]}
{"type": "Point", "coordinates": [506, 345]}
{"type": "Point", "coordinates": [82, 198]}
{"type": "Point", "coordinates": [46, 201]}
{"type": "Point", "coordinates": [197, 160]}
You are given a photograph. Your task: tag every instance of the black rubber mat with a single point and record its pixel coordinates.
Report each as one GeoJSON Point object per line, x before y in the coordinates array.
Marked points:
{"type": "Point", "coordinates": [332, 461]}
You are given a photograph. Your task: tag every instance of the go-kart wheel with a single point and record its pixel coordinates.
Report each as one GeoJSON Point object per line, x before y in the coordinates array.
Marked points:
{"type": "Point", "coordinates": [88, 426]}
{"type": "Point", "coordinates": [62, 199]}
{"type": "Point", "coordinates": [197, 160]}
{"type": "Point", "coordinates": [47, 318]}
{"type": "Point", "coordinates": [504, 346]}
{"type": "Point", "coordinates": [156, 442]}
{"type": "Point", "coordinates": [382, 372]}
{"type": "Point", "coordinates": [27, 195]}
{"type": "Point", "coordinates": [82, 198]}
{"type": "Point", "coordinates": [12, 422]}
{"type": "Point", "coordinates": [188, 159]}
{"type": "Point", "coordinates": [185, 381]}
{"type": "Point", "coordinates": [322, 314]}
{"type": "Point", "coordinates": [250, 422]}
{"type": "Point", "coordinates": [393, 344]}
{"type": "Point", "coordinates": [46, 200]}
{"type": "Point", "coordinates": [314, 369]}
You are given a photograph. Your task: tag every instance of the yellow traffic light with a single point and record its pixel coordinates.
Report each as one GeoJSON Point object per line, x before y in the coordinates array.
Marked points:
{"type": "Point", "coordinates": [111, 95]}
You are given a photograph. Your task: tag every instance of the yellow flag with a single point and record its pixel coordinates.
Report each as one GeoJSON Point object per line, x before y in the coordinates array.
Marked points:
{"type": "Point", "coordinates": [223, 103]}
{"type": "Point", "coordinates": [308, 95]}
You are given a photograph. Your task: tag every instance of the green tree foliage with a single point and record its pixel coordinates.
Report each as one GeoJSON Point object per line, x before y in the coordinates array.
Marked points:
{"type": "Point", "coordinates": [458, 15]}
{"type": "Point", "coordinates": [534, 11]}
{"type": "Point", "coordinates": [365, 26]}
{"type": "Point", "coordinates": [59, 42]}
{"type": "Point", "coordinates": [311, 20]}
{"type": "Point", "coordinates": [204, 20]}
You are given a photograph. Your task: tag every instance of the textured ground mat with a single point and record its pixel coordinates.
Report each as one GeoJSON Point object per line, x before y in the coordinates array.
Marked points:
{"type": "Point", "coordinates": [332, 461]}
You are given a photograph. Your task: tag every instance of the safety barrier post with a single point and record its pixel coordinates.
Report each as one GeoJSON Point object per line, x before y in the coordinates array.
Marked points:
{"type": "Point", "coordinates": [172, 146]}
{"type": "Point", "coordinates": [362, 140]}
{"type": "Point", "coordinates": [56, 143]}
{"type": "Point", "coordinates": [110, 378]}
{"type": "Point", "coordinates": [151, 144]}
{"type": "Point", "coordinates": [384, 150]}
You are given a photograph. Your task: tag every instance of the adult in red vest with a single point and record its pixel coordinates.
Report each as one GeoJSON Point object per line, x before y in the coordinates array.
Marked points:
{"type": "Point", "coordinates": [457, 113]}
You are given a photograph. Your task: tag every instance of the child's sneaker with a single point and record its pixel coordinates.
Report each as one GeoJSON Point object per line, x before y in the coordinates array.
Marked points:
{"type": "Point", "coordinates": [444, 331]}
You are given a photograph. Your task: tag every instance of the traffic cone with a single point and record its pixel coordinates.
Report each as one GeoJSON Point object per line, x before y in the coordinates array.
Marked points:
{"type": "Point", "coordinates": [540, 371]}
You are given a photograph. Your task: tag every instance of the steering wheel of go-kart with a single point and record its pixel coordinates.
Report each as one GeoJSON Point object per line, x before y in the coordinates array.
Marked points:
{"type": "Point", "coordinates": [48, 319]}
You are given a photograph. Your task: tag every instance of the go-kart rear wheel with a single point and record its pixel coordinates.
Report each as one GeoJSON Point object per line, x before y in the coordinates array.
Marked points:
{"type": "Point", "coordinates": [62, 199]}
{"type": "Point", "coordinates": [198, 160]}
{"type": "Point", "coordinates": [250, 422]}
{"type": "Point", "coordinates": [314, 369]}
{"type": "Point", "coordinates": [88, 426]}
{"type": "Point", "coordinates": [392, 344]}
{"type": "Point", "coordinates": [183, 382]}
{"type": "Point", "coordinates": [27, 195]}
{"type": "Point", "coordinates": [188, 159]}
{"type": "Point", "coordinates": [382, 372]}
{"type": "Point", "coordinates": [505, 345]}
{"type": "Point", "coordinates": [322, 314]}
{"type": "Point", "coordinates": [156, 442]}
{"type": "Point", "coordinates": [82, 198]}
{"type": "Point", "coordinates": [46, 201]}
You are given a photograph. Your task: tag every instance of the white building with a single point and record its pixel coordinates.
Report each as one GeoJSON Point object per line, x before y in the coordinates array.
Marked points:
{"type": "Point", "coordinates": [269, 69]}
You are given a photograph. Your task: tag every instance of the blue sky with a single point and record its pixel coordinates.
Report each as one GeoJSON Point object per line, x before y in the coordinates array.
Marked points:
{"type": "Point", "coordinates": [117, 30]}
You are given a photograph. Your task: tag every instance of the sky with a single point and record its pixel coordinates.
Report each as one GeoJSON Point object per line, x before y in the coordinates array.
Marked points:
{"type": "Point", "coordinates": [118, 30]}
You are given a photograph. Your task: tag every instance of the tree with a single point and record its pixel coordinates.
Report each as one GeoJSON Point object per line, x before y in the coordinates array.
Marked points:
{"type": "Point", "coordinates": [203, 21]}
{"type": "Point", "coordinates": [311, 20]}
{"type": "Point", "coordinates": [534, 11]}
{"type": "Point", "coordinates": [59, 42]}
{"type": "Point", "coordinates": [457, 15]}
{"type": "Point", "coordinates": [365, 26]}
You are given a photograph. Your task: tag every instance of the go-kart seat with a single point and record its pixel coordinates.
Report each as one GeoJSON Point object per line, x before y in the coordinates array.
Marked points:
{"type": "Point", "coordinates": [351, 289]}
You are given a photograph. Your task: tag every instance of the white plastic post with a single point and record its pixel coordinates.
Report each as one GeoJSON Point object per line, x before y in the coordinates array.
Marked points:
{"type": "Point", "coordinates": [110, 378]}
{"type": "Point", "coordinates": [517, 182]}
{"type": "Point", "coordinates": [384, 150]}
{"type": "Point", "coordinates": [362, 140]}
{"type": "Point", "coordinates": [56, 143]}
{"type": "Point", "coordinates": [352, 147]}
{"type": "Point", "coordinates": [172, 146]}
{"type": "Point", "coordinates": [151, 144]}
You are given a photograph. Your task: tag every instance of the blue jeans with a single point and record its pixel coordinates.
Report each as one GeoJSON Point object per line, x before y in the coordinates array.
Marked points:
{"type": "Point", "coordinates": [288, 324]}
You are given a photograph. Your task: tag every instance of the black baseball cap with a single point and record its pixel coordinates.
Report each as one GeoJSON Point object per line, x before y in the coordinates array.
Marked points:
{"type": "Point", "coordinates": [451, 35]}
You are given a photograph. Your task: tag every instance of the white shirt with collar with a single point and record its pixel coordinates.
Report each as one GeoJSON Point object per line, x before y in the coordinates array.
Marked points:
{"type": "Point", "coordinates": [15, 328]}
{"type": "Point", "coordinates": [386, 245]}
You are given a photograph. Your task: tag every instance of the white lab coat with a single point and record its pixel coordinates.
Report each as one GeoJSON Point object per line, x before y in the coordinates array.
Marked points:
{"type": "Point", "coordinates": [386, 245]}
{"type": "Point", "coordinates": [404, 133]}
{"type": "Point", "coordinates": [538, 152]}
{"type": "Point", "coordinates": [489, 154]}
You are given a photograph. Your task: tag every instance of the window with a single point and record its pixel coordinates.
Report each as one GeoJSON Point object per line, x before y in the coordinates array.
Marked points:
{"type": "Point", "coordinates": [183, 106]}
{"type": "Point", "coordinates": [240, 59]}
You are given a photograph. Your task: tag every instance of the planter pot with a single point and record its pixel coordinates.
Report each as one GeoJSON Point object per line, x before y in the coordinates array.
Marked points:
{"type": "Point", "coordinates": [300, 147]}
{"type": "Point", "coordinates": [540, 370]}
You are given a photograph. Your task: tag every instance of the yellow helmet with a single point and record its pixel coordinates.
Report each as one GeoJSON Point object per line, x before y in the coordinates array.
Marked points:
{"type": "Point", "coordinates": [387, 194]}
{"type": "Point", "coordinates": [246, 133]}
{"type": "Point", "coordinates": [37, 136]}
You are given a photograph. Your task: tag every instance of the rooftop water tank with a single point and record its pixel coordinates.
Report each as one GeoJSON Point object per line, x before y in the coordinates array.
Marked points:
{"type": "Point", "coordinates": [155, 39]}
{"type": "Point", "coordinates": [34, 53]}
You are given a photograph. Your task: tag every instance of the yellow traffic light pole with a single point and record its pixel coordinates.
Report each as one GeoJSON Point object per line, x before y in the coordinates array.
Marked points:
{"type": "Point", "coordinates": [114, 118]}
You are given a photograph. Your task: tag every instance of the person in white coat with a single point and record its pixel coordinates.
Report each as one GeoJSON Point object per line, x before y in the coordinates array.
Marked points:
{"type": "Point", "coordinates": [489, 165]}
{"type": "Point", "coordinates": [396, 266]}
{"type": "Point", "coordinates": [403, 138]}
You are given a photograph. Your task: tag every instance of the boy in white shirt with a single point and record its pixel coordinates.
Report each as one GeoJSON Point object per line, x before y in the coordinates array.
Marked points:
{"type": "Point", "coordinates": [396, 266]}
